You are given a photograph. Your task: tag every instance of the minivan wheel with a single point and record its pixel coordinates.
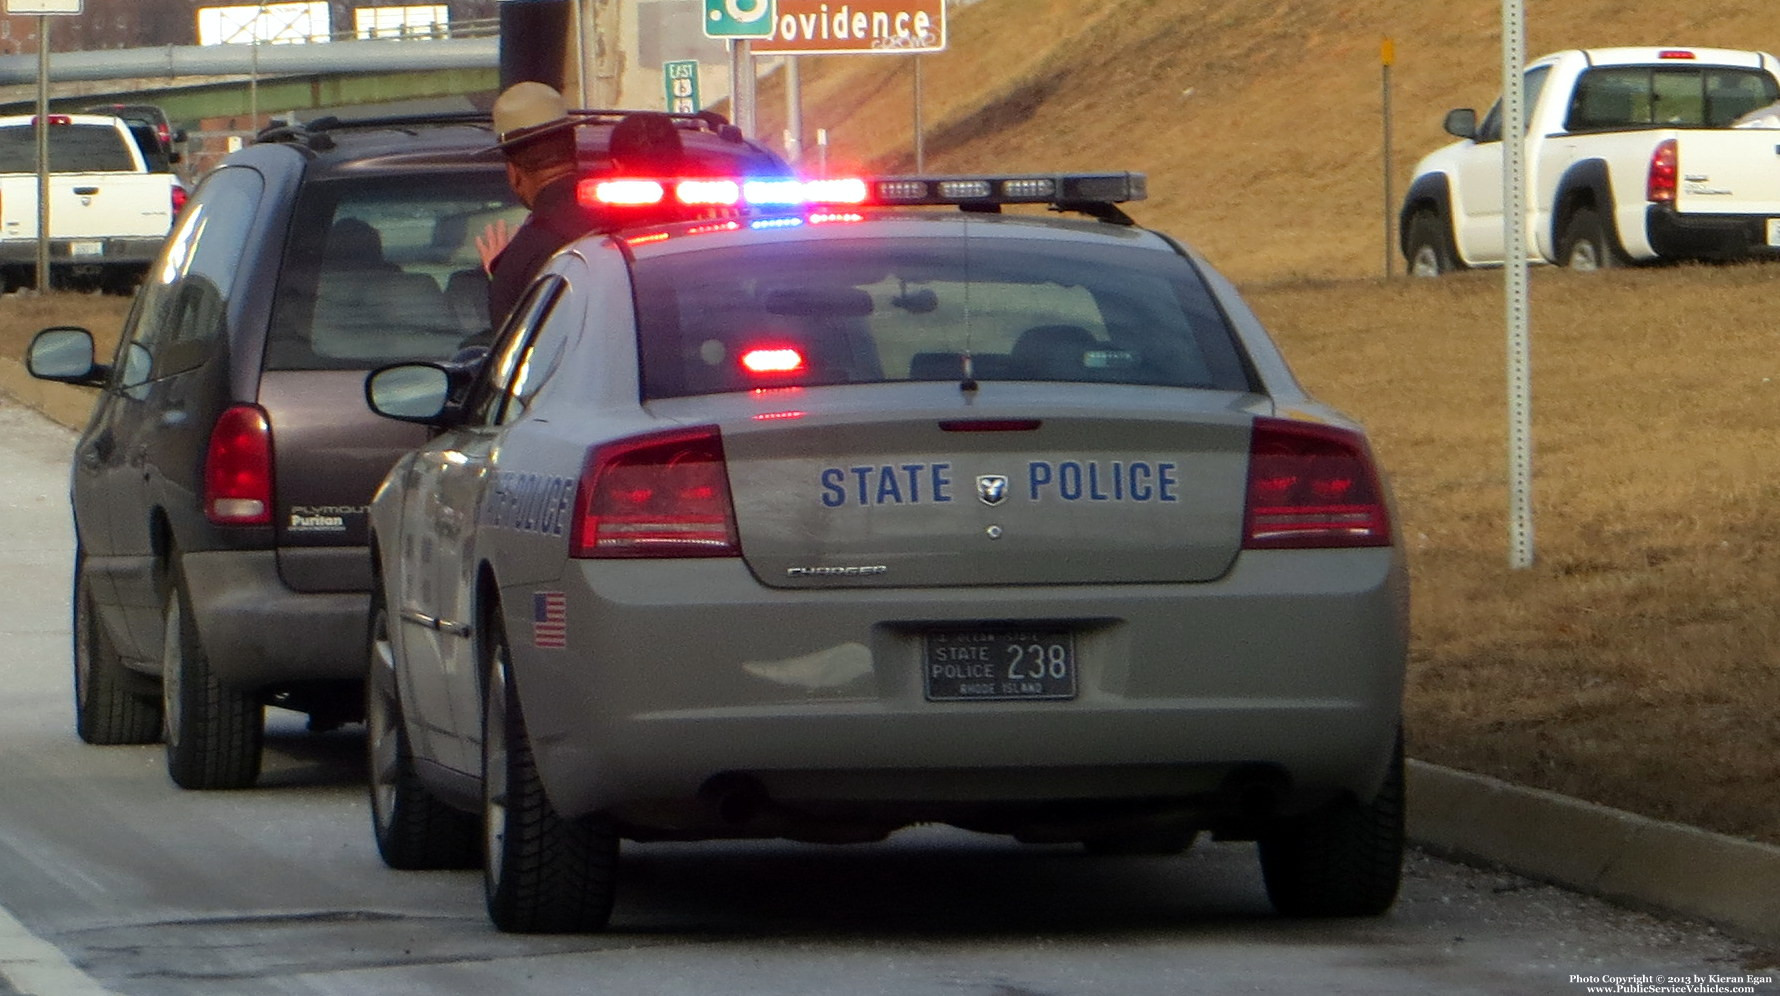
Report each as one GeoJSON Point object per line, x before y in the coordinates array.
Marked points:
{"type": "Point", "coordinates": [542, 874]}
{"type": "Point", "coordinates": [415, 831]}
{"type": "Point", "coordinates": [109, 708]}
{"type": "Point", "coordinates": [214, 733]}
{"type": "Point", "coordinates": [1345, 859]}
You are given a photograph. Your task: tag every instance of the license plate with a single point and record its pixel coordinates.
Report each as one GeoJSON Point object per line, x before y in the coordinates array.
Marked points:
{"type": "Point", "coordinates": [86, 248]}
{"type": "Point", "coordinates": [982, 664]}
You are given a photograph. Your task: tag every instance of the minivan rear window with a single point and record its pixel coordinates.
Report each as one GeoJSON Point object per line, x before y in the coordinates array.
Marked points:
{"type": "Point", "coordinates": [858, 311]}
{"type": "Point", "coordinates": [386, 270]}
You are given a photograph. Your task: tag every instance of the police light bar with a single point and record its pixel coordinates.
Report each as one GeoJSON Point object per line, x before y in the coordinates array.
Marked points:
{"type": "Point", "coordinates": [1043, 188]}
{"type": "Point", "coordinates": [1061, 189]}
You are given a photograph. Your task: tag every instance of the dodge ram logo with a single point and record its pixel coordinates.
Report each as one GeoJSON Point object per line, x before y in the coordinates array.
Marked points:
{"type": "Point", "coordinates": [992, 488]}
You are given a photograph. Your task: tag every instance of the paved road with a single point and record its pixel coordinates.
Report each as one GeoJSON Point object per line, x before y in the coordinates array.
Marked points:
{"type": "Point", "coordinates": [113, 881]}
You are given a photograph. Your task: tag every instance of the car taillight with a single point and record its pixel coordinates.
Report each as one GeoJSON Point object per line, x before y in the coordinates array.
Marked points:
{"type": "Point", "coordinates": [1665, 166]}
{"type": "Point", "coordinates": [238, 469]}
{"type": "Point", "coordinates": [661, 495]}
{"type": "Point", "coordinates": [179, 198]}
{"type": "Point", "coordinates": [1312, 485]}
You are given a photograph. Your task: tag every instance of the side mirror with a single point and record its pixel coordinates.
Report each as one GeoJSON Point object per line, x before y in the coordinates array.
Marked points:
{"type": "Point", "coordinates": [64, 354]}
{"type": "Point", "coordinates": [412, 392]}
{"type": "Point", "coordinates": [1461, 122]}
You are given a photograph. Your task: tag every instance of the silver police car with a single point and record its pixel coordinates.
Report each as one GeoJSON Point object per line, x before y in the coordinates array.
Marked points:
{"type": "Point", "coordinates": [818, 509]}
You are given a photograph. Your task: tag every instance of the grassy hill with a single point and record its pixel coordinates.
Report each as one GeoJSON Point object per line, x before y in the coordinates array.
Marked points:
{"type": "Point", "coordinates": [1259, 122]}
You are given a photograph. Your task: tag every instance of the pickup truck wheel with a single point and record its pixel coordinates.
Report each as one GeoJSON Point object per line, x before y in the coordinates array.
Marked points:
{"type": "Point", "coordinates": [214, 733]}
{"type": "Point", "coordinates": [542, 874]}
{"type": "Point", "coordinates": [414, 830]}
{"type": "Point", "coordinates": [109, 708]}
{"type": "Point", "coordinates": [1428, 253]}
{"type": "Point", "coordinates": [1585, 245]}
{"type": "Point", "coordinates": [1345, 859]}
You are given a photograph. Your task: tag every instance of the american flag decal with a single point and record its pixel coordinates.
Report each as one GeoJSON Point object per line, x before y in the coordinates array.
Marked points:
{"type": "Point", "coordinates": [550, 620]}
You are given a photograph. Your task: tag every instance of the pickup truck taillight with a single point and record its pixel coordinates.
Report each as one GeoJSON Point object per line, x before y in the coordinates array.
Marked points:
{"type": "Point", "coordinates": [179, 199]}
{"type": "Point", "coordinates": [664, 494]}
{"type": "Point", "coordinates": [1312, 485]}
{"type": "Point", "coordinates": [1659, 188]}
{"type": "Point", "coordinates": [238, 469]}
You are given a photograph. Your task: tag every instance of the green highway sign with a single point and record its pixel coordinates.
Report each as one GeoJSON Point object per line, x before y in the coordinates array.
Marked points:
{"type": "Point", "coordinates": [740, 18]}
{"type": "Point", "coordinates": [681, 81]}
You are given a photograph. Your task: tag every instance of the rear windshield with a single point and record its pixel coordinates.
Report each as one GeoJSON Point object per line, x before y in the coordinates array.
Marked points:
{"type": "Point", "coordinates": [920, 309]}
{"type": "Point", "coordinates": [1679, 96]}
{"type": "Point", "coordinates": [385, 270]}
{"type": "Point", "coordinates": [73, 148]}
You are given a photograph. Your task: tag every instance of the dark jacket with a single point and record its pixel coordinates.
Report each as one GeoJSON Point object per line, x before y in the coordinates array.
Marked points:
{"type": "Point", "coordinates": [555, 221]}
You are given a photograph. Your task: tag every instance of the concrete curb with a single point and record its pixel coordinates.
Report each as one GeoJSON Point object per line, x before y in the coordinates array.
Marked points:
{"type": "Point", "coordinates": [1731, 883]}
{"type": "Point", "coordinates": [1633, 860]}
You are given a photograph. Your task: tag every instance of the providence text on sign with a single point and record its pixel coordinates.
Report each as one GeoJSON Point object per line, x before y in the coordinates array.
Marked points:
{"type": "Point", "coordinates": [833, 27]}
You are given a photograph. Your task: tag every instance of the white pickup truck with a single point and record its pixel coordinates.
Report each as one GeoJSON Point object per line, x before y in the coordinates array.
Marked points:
{"type": "Point", "coordinates": [1632, 155]}
{"type": "Point", "coordinates": [108, 212]}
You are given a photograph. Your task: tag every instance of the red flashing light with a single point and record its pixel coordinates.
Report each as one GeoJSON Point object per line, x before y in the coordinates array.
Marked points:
{"type": "Point", "coordinates": [1665, 169]}
{"type": "Point", "coordinates": [664, 494]}
{"type": "Point", "coordinates": [631, 193]}
{"type": "Point", "coordinates": [1312, 486]}
{"type": "Point", "coordinates": [238, 469]}
{"type": "Point", "coordinates": [773, 360]}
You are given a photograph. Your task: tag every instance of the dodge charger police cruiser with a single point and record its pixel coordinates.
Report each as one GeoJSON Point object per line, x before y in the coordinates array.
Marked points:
{"type": "Point", "coordinates": [843, 505]}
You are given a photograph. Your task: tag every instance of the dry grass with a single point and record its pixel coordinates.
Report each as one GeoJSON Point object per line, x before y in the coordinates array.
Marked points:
{"type": "Point", "coordinates": [1637, 663]}
{"type": "Point", "coordinates": [23, 315]}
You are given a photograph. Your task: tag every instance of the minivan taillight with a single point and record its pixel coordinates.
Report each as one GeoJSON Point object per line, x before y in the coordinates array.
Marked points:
{"type": "Point", "coordinates": [1665, 166]}
{"type": "Point", "coordinates": [1312, 485]}
{"type": "Point", "coordinates": [238, 469]}
{"type": "Point", "coordinates": [664, 494]}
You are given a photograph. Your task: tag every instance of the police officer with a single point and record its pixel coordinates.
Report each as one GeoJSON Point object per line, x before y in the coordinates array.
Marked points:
{"type": "Point", "coordinates": [536, 134]}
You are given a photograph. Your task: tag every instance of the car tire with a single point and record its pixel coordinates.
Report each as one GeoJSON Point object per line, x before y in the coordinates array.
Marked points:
{"type": "Point", "coordinates": [1585, 244]}
{"type": "Point", "coordinates": [414, 830]}
{"type": "Point", "coordinates": [1345, 859]}
{"type": "Point", "coordinates": [214, 733]}
{"type": "Point", "coordinates": [1429, 250]}
{"type": "Point", "coordinates": [542, 874]}
{"type": "Point", "coordinates": [110, 704]}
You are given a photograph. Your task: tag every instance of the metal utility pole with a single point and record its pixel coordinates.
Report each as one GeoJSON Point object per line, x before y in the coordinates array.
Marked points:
{"type": "Point", "coordinates": [742, 84]}
{"type": "Point", "coordinates": [1514, 223]}
{"type": "Point", "coordinates": [42, 154]}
